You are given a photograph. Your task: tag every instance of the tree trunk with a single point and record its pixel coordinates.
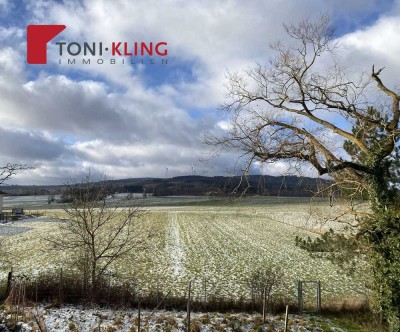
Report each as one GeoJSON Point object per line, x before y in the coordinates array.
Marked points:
{"type": "Point", "coordinates": [94, 280]}
{"type": "Point", "coordinates": [387, 278]}
{"type": "Point", "coordinates": [380, 195]}
{"type": "Point", "coordinates": [384, 235]}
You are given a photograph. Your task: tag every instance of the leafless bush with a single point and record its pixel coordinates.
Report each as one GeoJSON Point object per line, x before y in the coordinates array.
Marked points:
{"type": "Point", "coordinates": [262, 283]}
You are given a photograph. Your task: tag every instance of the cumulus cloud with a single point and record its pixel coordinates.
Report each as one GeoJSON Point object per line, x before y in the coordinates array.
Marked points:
{"type": "Point", "coordinates": [378, 45]}
{"type": "Point", "coordinates": [137, 120]}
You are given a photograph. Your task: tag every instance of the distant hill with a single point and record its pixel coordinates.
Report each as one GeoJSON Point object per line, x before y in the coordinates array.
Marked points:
{"type": "Point", "coordinates": [195, 185]}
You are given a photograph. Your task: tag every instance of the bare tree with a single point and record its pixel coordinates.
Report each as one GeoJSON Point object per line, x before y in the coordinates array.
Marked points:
{"type": "Point", "coordinates": [263, 282]}
{"type": "Point", "coordinates": [7, 171]}
{"type": "Point", "coordinates": [97, 231]}
{"type": "Point", "coordinates": [284, 111]}
{"type": "Point", "coordinates": [303, 108]}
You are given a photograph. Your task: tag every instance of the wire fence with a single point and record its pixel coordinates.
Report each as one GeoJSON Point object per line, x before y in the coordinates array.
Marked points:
{"type": "Point", "coordinates": [73, 287]}
{"type": "Point", "coordinates": [69, 286]}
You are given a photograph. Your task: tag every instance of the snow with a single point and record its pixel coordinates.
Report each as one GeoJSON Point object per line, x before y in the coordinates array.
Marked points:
{"type": "Point", "coordinates": [78, 318]}
{"type": "Point", "coordinates": [177, 251]}
{"type": "Point", "coordinates": [9, 230]}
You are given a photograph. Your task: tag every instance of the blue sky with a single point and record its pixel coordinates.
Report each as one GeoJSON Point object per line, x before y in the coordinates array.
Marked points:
{"type": "Point", "coordinates": [136, 120]}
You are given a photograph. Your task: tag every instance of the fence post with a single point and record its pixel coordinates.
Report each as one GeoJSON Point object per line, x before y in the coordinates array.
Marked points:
{"type": "Point", "coordinates": [264, 303]}
{"type": "Point", "coordinates": [188, 307]}
{"type": "Point", "coordinates": [286, 317]}
{"type": "Point", "coordinates": [300, 295]}
{"type": "Point", "coordinates": [9, 281]}
{"type": "Point", "coordinates": [319, 296]}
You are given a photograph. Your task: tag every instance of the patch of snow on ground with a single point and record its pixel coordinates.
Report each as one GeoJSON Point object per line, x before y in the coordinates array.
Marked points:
{"type": "Point", "coordinates": [177, 251]}
{"type": "Point", "coordinates": [78, 318]}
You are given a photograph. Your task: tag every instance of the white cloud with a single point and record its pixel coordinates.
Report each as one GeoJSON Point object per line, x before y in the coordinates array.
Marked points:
{"type": "Point", "coordinates": [120, 118]}
{"type": "Point", "coordinates": [212, 36]}
{"type": "Point", "coordinates": [378, 40]}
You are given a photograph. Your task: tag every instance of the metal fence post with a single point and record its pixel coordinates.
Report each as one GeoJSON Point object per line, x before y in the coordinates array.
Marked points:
{"type": "Point", "coordinates": [300, 295]}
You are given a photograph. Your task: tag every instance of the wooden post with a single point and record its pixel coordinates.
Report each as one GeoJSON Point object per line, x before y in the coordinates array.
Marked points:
{"type": "Point", "coordinates": [188, 307]}
{"type": "Point", "coordinates": [319, 296]}
{"type": "Point", "coordinates": [40, 322]}
{"type": "Point", "coordinates": [264, 303]}
{"type": "Point", "coordinates": [9, 281]}
{"type": "Point", "coordinates": [286, 317]}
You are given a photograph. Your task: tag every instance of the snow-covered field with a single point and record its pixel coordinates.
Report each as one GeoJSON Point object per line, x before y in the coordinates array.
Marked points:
{"type": "Point", "coordinates": [215, 247]}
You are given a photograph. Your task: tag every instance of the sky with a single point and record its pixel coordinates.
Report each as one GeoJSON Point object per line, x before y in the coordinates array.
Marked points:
{"type": "Point", "coordinates": [149, 120]}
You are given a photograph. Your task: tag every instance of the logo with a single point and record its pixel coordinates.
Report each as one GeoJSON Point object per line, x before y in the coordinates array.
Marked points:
{"type": "Point", "coordinates": [91, 52]}
{"type": "Point", "coordinates": [37, 38]}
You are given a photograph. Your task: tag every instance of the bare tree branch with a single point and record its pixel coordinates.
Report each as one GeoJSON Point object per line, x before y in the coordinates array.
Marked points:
{"type": "Point", "coordinates": [98, 230]}
{"type": "Point", "coordinates": [7, 171]}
